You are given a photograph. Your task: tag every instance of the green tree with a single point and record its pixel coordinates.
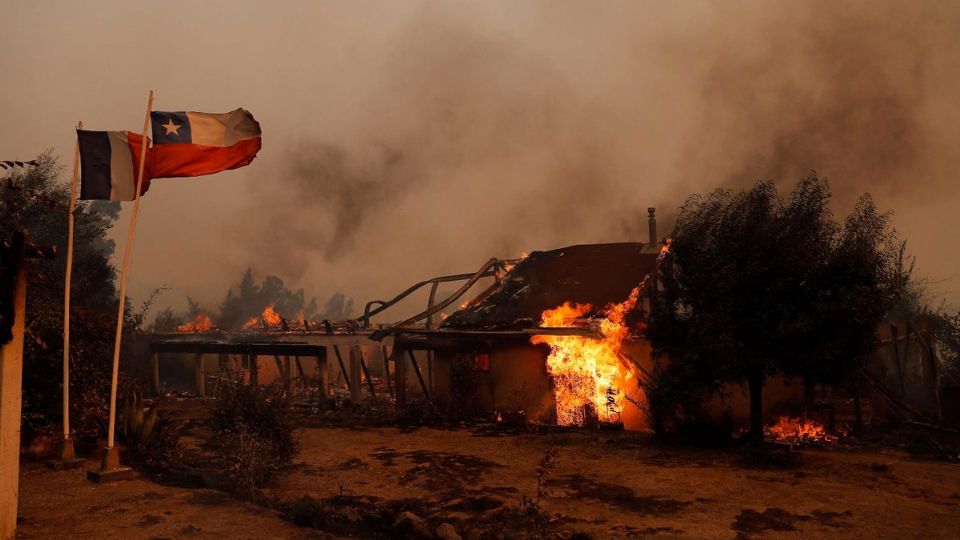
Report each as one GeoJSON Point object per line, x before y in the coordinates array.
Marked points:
{"type": "Point", "coordinates": [757, 284]}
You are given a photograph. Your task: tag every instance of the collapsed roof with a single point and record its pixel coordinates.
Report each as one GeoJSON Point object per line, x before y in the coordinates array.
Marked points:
{"type": "Point", "coordinates": [596, 274]}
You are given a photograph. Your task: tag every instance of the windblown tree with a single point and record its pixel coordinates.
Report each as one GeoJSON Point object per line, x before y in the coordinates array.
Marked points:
{"type": "Point", "coordinates": [757, 284]}
{"type": "Point", "coordinates": [36, 200]}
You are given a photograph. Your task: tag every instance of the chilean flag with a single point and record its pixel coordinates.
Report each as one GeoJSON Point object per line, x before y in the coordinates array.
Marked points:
{"type": "Point", "coordinates": [195, 144]}
{"type": "Point", "coordinates": [109, 164]}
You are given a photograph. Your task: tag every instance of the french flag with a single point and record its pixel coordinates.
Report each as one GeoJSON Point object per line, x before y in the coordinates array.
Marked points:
{"type": "Point", "coordinates": [195, 144]}
{"type": "Point", "coordinates": [109, 164]}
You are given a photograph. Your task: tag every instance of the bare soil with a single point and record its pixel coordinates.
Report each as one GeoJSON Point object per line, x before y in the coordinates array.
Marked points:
{"type": "Point", "coordinates": [64, 504]}
{"type": "Point", "coordinates": [352, 480]}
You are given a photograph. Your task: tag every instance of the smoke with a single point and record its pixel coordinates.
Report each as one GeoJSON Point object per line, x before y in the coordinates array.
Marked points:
{"type": "Point", "coordinates": [842, 92]}
{"type": "Point", "coordinates": [479, 132]}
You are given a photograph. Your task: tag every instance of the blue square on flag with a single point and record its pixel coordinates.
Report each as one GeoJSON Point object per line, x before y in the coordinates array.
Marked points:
{"type": "Point", "coordinates": [170, 127]}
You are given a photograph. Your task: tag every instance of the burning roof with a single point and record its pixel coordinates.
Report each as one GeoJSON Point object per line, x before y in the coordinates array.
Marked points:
{"type": "Point", "coordinates": [595, 274]}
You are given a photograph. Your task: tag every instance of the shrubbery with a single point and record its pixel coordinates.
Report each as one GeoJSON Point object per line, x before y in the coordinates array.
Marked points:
{"type": "Point", "coordinates": [252, 431]}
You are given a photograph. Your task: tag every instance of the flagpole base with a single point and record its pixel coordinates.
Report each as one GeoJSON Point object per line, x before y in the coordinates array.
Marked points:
{"type": "Point", "coordinates": [66, 458]}
{"type": "Point", "coordinates": [110, 469]}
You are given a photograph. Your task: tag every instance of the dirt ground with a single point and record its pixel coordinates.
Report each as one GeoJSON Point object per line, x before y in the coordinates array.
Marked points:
{"type": "Point", "coordinates": [492, 482]}
{"type": "Point", "coordinates": [64, 504]}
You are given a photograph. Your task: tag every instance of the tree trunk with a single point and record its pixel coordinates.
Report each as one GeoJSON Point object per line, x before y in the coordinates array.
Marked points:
{"type": "Point", "coordinates": [756, 405]}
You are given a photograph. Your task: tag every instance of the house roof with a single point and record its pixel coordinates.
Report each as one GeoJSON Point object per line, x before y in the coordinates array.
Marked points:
{"type": "Point", "coordinates": [598, 274]}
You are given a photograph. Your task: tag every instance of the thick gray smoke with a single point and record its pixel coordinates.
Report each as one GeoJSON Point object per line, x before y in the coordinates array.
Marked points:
{"type": "Point", "coordinates": [480, 136]}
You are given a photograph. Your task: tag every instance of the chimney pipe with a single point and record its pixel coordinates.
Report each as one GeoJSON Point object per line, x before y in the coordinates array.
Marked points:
{"type": "Point", "coordinates": [652, 219]}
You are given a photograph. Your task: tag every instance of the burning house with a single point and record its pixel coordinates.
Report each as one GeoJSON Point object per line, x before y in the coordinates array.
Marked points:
{"type": "Point", "coordinates": [556, 337]}
{"type": "Point", "coordinates": [551, 342]}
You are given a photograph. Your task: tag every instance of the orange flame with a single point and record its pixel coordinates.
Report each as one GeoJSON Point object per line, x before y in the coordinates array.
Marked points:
{"type": "Point", "coordinates": [587, 371]}
{"type": "Point", "coordinates": [798, 430]}
{"type": "Point", "coordinates": [200, 323]}
{"type": "Point", "coordinates": [269, 316]}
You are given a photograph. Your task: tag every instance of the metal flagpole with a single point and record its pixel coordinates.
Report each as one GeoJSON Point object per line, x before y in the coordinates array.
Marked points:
{"type": "Point", "coordinates": [67, 454]}
{"type": "Point", "coordinates": [111, 458]}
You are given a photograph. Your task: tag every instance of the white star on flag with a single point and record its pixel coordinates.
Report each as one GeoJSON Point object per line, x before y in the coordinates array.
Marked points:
{"type": "Point", "coordinates": [172, 128]}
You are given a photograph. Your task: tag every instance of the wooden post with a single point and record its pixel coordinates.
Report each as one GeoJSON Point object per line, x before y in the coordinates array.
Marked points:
{"type": "Point", "coordinates": [366, 372]}
{"type": "Point", "coordinates": [66, 293]}
{"type": "Point", "coordinates": [300, 372]}
{"type": "Point", "coordinates": [386, 368]}
{"type": "Point", "coordinates": [399, 374]}
{"type": "Point", "coordinates": [155, 371]}
{"type": "Point", "coordinates": [323, 376]}
{"type": "Point", "coordinates": [199, 375]}
{"type": "Point", "coordinates": [254, 370]}
{"type": "Point", "coordinates": [343, 368]}
{"type": "Point", "coordinates": [109, 460]}
{"type": "Point", "coordinates": [430, 358]}
{"type": "Point", "coordinates": [287, 375]}
{"type": "Point", "coordinates": [279, 363]}
{"type": "Point", "coordinates": [11, 377]}
{"type": "Point", "coordinates": [416, 369]}
{"type": "Point", "coordinates": [356, 390]}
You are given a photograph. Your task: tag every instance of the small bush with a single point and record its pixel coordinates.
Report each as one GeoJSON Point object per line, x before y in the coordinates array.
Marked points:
{"type": "Point", "coordinates": [674, 396]}
{"type": "Point", "coordinates": [252, 430]}
{"type": "Point", "coordinates": [152, 439]}
{"type": "Point", "coordinates": [421, 411]}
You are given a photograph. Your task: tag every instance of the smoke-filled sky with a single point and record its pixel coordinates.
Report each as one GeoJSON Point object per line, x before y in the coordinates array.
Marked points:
{"type": "Point", "coordinates": [404, 140]}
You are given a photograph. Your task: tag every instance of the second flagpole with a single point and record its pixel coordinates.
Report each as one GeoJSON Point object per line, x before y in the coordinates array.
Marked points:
{"type": "Point", "coordinates": [68, 457]}
{"type": "Point", "coordinates": [111, 458]}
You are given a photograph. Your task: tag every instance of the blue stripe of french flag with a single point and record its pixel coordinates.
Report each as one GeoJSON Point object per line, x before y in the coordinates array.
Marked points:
{"type": "Point", "coordinates": [109, 164]}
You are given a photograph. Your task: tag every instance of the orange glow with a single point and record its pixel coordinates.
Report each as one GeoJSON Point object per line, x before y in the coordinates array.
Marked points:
{"type": "Point", "coordinates": [269, 317]}
{"type": "Point", "coordinates": [508, 267]}
{"type": "Point", "coordinates": [587, 371]}
{"type": "Point", "coordinates": [200, 323]}
{"type": "Point", "coordinates": [797, 430]}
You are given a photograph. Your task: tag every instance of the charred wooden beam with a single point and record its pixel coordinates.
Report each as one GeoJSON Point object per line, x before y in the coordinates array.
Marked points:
{"type": "Point", "coordinates": [386, 368]}
{"type": "Point", "coordinates": [323, 375]}
{"type": "Point", "coordinates": [199, 375]}
{"type": "Point", "coordinates": [400, 374]}
{"type": "Point", "coordinates": [416, 369]}
{"type": "Point", "coordinates": [299, 367]}
{"type": "Point", "coordinates": [366, 372]}
{"type": "Point", "coordinates": [216, 347]}
{"type": "Point", "coordinates": [343, 369]}
{"type": "Point", "coordinates": [356, 390]}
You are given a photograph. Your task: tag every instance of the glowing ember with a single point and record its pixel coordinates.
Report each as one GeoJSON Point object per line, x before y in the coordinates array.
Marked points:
{"type": "Point", "coordinates": [508, 267]}
{"type": "Point", "coordinates": [269, 317]}
{"type": "Point", "coordinates": [587, 371]}
{"type": "Point", "coordinates": [200, 323]}
{"type": "Point", "coordinates": [797, 430]}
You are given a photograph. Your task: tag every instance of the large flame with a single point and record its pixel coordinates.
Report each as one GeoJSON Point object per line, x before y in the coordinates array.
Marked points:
{"type": "Point", "coordinates": [200, 323]}
{"type": "Point", "coordinates": [269, 317]}
{"type": "Point", "coordinates": [587, 371]}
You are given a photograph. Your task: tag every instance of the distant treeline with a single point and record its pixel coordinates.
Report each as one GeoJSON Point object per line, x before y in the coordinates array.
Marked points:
{"type": "Point", "coordinates": [248, 299]}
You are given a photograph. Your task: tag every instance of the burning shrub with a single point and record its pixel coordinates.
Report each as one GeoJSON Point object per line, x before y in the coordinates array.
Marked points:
{"type": "Point", "coordinates": [252, 431]}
